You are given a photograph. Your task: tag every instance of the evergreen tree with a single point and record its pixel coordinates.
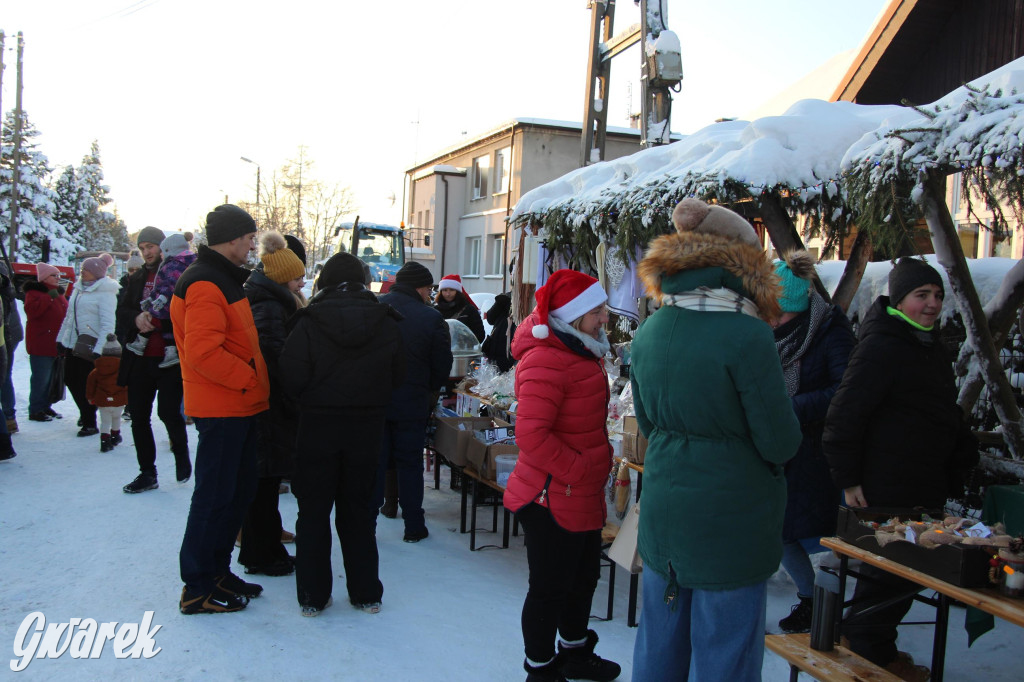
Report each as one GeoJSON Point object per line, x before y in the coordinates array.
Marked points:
{"type": "Point", "coordinates": [37, 230]}
{"type": "Point", "coordinates": [97, 229]}
{"type": "Point", "coordinates": [73, 204]}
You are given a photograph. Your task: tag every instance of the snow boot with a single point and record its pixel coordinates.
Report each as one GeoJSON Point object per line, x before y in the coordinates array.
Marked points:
{"type": "Point", "coordinates": [115, 437]}
{"type": "Point", "coordinates": [138, 346]}
{"type": "Point", "coordinates": [799, 619]}
{"type": "Point", "coordinates": [390, 508]}
{"type": "Point", "coordinates": [581, 663]}
{"type": "Point", "coordinates": [545, 673]}
{"type": "Point", "coordinates": [170, 357]}
{"type": "Point", "coordinates": [105, 443]}
{"type": "Point", "coordinates": [141, 484]}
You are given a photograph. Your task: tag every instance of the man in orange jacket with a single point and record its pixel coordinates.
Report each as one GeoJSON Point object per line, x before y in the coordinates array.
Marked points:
{"type": "Point", "coordinates": [226, 387]}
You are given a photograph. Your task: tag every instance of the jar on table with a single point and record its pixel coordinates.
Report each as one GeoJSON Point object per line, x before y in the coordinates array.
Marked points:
{"type": "Point", "coordinates": [1011, 581]}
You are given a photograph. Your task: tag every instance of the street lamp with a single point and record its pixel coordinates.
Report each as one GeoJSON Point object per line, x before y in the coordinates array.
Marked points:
{"type": "Point", "coordinates": [257, 180]}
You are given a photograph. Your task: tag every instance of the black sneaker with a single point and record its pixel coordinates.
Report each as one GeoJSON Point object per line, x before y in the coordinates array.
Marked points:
{"type": "Point", "coordinates": [55, 415]}
{"type": "Point", "coordinates": [40, 417]}
{"type": "Point", "coordinates": [232, 583]}
{"type": "Point", "coordinates": [581, 663]}
{"type": "Point", "coordinates": [416, 536]}
{"type": "Point", "coordinates": [141, 484]}
{"type": "Point", "coordinates": [799, 618]}
{"type": "Point", "coordinates": [284, 566]}
{"type": "Point", "coordinates": [183, 470]}
{"type": "Point", "coordinates": [87, 431]}
{"type": "Point", "coordinates": [218, 600]}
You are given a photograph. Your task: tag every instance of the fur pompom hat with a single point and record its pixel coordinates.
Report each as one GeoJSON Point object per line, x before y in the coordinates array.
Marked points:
{"type": "Point", "coordinates": [693, 215]}
{"type": "Point", "coordinates": [107, 258]}
{"type": "Point", "coordinates": [567, 295]}
{"type": "Point", "coordinates": [111, 349]}
{"type": "Point", "coordinates": [97, 267]}
{"type": "Point", "coordinates": [135, 260]}
{"type": "Point", "coordinates": [279, 262]}
{"type": "Point", "coordinates": [795, 271]}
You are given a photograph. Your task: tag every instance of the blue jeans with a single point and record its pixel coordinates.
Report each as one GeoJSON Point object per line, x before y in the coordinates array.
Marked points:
{"type": "Point", "coordinates": [225, 475]}
{"type": "Point", "coordinates": [702, 636]}
{"type": "Point", "coordinates": [7, 400]}
{"type": "Point", "coordinates": [39, 384]}
{"type": "Point", "coordinates": [799, 566]}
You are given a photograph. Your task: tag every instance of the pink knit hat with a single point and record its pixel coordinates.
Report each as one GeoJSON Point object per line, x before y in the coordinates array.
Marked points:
{"type": "Point", "coordinates": [567, 295]}
{"type": "Point", "coordinates": [44, 270]}
{"type": "Point", "coordinates": [97, 267]}
{"type": "Point", "coordinates": [455, 282]}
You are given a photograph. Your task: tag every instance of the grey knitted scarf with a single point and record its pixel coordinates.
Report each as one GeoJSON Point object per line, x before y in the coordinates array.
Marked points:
{"type": "Point", "coordinates": [794, 345]}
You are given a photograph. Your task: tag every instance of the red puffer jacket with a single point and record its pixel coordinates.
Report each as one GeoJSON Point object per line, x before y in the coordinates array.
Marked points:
{"type": "Point", "coordinates": [560, 430]}
{"type": "Point", "coordinates": [43, 317]}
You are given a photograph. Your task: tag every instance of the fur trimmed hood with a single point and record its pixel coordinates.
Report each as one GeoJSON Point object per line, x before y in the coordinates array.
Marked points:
{"type": "Point", "coordinates": [674, 253]}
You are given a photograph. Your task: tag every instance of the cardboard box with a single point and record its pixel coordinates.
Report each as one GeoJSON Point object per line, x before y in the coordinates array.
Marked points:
{"type": "Point", "coordinates": [634, 445]}
{"type": "Point", "coordinates": [962, 565]}
{"type": "Point", "coordinates": [454, 433]}
{"type": "Point", "coordinates": [467, 405]}
{"type": "Point", "coordinates": [481, 455]}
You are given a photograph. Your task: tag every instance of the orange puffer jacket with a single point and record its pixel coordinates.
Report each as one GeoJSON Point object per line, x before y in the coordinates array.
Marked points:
{"type": "Point", "coordinates": [101, 387]}
{"type": "Point", "coordinates": [564, 454]}
{"type": "Point", "coordinates": [222, 368]}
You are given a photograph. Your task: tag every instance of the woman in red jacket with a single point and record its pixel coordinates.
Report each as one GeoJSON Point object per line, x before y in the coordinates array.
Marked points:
{"type": "Point", "coordinates": [557, 487]}
{"type": "Point", "coordinates": [44, 313]}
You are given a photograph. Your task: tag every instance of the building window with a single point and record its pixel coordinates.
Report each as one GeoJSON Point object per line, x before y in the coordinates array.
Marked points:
{"type": "Point", "coordinates": [497, 255]}
{"type": "Point", "coordinates": [419, 219]}
{"type": "Point", "coordinates": [502, 160]}
{"type": "Point", "coordinates": [481, 169]}
{"type": "Point", "coordinates": [473, 257]}
{"type": "Point", "coordinates": [969, 238]}
{"type": "Point", "coordinates": [426, 219]}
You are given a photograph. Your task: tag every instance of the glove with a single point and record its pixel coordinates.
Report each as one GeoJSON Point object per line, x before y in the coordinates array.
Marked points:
{"type": "Point", "coordinates": [53, 293]}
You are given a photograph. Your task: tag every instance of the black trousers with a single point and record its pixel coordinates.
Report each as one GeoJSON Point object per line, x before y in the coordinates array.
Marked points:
{"type": "Point", "coordinates": [261, 529]}
{"type": "Point", "coordinates": [336, 467]}
{"type": "Point", "coordinates": [873, 636]}
{"type": "Point", "coordinates": [76, 373]}
{"type": "Point", "coordinates": [146, 383]}
{"type": "Point", "coordinates": [564, 569]}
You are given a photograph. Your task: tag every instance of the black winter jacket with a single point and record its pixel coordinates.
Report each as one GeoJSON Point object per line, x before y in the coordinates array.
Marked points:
{"type": "Point", "coordinates": [428, 352]}
{"type": "Point", "coordinates": [496, 346]}
{"type": "Point", "coordinates": [344, 352]}
{"type": "Point", "coordinates": [129, 301]}
{"type": "Point", "coordinates": [812, 497]}
{"type": "Point", "coordinates": [894, 426]}
{"type": "Point", "coordinates": [462, 310]}
{"type": "Point", "coordinates": [272, 305]}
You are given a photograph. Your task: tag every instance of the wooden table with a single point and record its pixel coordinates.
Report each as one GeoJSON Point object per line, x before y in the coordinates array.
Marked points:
{"type": "Point", "coordinates": [988, 600]}
{"type": "Point", "coordinates": [634, 578]}
{"type": "Point", "coordinates": [471, 483]}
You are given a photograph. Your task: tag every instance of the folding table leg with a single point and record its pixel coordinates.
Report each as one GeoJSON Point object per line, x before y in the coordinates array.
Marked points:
{"type": "Point", "coordinates": [472, 520]}
{"type": "Point", "coordinates": [939, 646]}
{"type": "Point", "coordinates": [634, 580]}
{"type": "Point", "coordinates": [504, 530]}
{"type": "Point", "coordinates": [611, 587]}
{"type": "Point", "coordinates": [462, 508]}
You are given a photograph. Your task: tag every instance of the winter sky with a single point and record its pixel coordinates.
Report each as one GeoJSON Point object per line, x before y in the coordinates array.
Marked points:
{"type": "Point", "coordinates": [177, 90]}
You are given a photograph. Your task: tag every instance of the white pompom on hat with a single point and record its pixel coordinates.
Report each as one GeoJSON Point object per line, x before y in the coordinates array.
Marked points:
{"type": "Point", "coordinates": [567, 295]}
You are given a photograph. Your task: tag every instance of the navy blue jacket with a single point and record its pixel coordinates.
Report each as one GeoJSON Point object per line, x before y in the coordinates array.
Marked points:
{"type": "Point", "coordinates": [428, 352]}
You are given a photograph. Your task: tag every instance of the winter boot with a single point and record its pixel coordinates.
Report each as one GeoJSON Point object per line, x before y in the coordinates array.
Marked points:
{"type": "Point", "coordinates": [141, 484]}
{"type": "Point", "coordinates": [218, 600]}
{"type": "Point", "coordinates": [105, 443]}
{"type": "Point", "coordinates": [390, 508]}
{"type": "Point", "coordinates": [581, 663]}
{"type": "Point", "coordinates": [232, 583]}
{"type": "Point", "coordinates": [170, 357]}
{"type": "Point", "coordinates": [799, 619]}
{"type": "Point", "coordinates": [87, 431]}
{"type": "Point", "coordinates": [115, 437]}
{"type": "Point", "coordinates": [545, 673]}
{"type": "Point", "coordinates": [6, 449]}
{"type": "Point", "coordinates": [138, 346]}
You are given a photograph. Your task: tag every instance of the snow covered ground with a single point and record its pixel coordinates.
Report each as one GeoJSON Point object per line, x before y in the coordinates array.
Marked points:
{"type": "Point", "coordinates": [72, 545]}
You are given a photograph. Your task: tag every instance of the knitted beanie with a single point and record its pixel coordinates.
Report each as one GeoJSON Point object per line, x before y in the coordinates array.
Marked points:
{"type": "Point", "coordinates": [175, 245]}
{"type": "Point", "coordinates": [909, 274]}
{"type": "Point", "coordinates": [134, 260]}
{"type": "Point", "coordinates": [339, 268]}
{"type": "Point", "coordinates": [296, 246]}
{"type": "Point", "coordinates": [107, 258]}
{"type": "Point", "coordinates": [795, 272]}
{"type": "Point", "coordinates": [111, 348]}
{"type": "Point", "coordinates": [150, 235]}
{"type": "Point", "coordinates": [455, 282]}
{"type": "Point", "coordinates": [279, 262]}
{"type": "Point", "coordinates": [97, 267]}
{"type": "Point", "coordinates": [44, 270]}
{"type": "Point", "coordinates": [566, 296]}
{"type": "Point", "coordinates": [693, 215]}
{"type": "Point", "coordinates": [415, 275]}
{"type": "Point", "coordinates": [226, 223]}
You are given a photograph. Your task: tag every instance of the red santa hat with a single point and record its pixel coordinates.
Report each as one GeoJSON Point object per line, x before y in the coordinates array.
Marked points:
{"type": "Point", "coordinates": [567, 295]}
{"type": "Point", "coordinates": [454, 282]}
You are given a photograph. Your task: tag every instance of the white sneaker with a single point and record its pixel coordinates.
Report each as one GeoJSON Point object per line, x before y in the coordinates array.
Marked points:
{"type": "Point", "coordinates": [170, 357]}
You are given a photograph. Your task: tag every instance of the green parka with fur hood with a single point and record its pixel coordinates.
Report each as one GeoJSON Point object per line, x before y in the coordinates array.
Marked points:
{"type": "Point", "coordinates": [710, 397]}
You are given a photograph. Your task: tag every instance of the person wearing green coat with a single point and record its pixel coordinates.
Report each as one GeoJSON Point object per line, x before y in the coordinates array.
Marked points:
{"type": "Point", "coordinates": [711, 399]}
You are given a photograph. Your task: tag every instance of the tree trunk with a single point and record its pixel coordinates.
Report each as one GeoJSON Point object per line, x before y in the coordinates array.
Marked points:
{"type": "Point", "coordinates": [783, 233]}
{"type": "Point", "coordinates": [1001, 313]}
{"type": "Point", "coordinates": [951, 255]}
{"type": "Point", "coordinates": [853, 273]}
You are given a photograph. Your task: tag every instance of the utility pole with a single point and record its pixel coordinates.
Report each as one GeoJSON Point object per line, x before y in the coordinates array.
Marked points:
{"type": "Point", "coordinates": [660, 70]}
{"type": "Point", "coordinates": [16, 175]}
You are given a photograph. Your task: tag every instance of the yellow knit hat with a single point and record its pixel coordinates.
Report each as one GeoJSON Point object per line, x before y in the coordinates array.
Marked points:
{"type": "Point", "coordinates": [279, 262]}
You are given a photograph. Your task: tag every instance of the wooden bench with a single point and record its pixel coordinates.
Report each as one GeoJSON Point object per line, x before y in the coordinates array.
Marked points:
{"type": "Point", "coordinates": [838, 665]}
